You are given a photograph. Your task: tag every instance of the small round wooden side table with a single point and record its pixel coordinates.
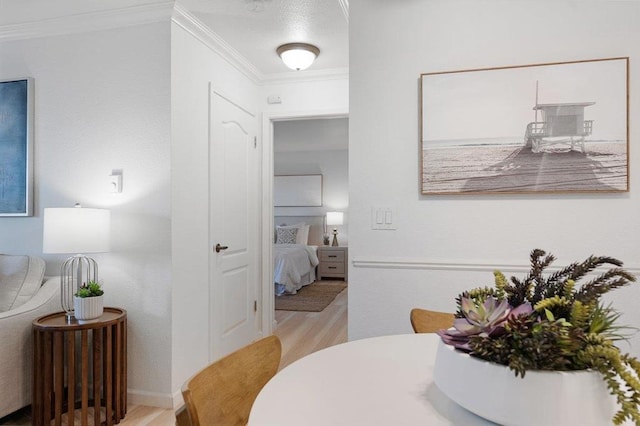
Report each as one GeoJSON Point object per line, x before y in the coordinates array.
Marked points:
{"type": "Point", "coordinates": [80, 365]}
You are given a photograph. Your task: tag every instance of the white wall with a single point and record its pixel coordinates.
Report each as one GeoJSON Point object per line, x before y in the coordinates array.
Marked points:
{"type": "Point", "coordinates": [448, 243]}
{"type": "Point", "coordinates": [314, 96]}
{"type": "Point", "coordinates": [135, 99]}
{"type": "Point", "coordinates": [194, 66]}
{"type": "Point", "coordinates": [102, 103]}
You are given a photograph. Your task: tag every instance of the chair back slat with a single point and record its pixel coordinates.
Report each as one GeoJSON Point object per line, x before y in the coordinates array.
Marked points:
{"type": "Point", "coordinates": [425, 321]}
{"type": "Point", "coordinates": [223, 392]}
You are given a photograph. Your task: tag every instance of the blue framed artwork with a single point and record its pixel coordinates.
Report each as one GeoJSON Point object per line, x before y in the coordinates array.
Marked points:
{"type": "Point", "coordinates": [16, 147]}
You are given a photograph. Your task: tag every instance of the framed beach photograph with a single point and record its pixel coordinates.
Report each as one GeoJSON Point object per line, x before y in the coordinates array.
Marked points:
{"type": "Point", "coordinates": [554, 127]}
{"type": "Point", "coordinates": [16, 147]}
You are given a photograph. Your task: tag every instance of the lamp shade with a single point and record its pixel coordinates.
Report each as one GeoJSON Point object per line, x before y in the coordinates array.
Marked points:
{"type": "Point", "coordinates": [335, 218]}
{"type": "Point", "coordinates": [76, 230]}
{"type": "Point", "coordinates": [298, 56]}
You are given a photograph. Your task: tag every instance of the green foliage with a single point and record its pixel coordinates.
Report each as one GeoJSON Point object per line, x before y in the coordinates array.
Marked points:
{"type": "Point", "coordinates": [501, 283]}
{"type": "Point", "coordinates": [603, 320]}
{"type": "Point", "coordinates": [560, 306]}
{"type": "Point", "coordinates": [569, 328]}
{"type": "Point", "coordinates": [529, 344]}
{"type": "Point", "coordinates": [90, 289]}
{"type": "Point", "coordinates": [620, 373]}
{"type": "Point", "coordinates": [560, 286]}
{"type": "Point", "coordinates": [581, 315]}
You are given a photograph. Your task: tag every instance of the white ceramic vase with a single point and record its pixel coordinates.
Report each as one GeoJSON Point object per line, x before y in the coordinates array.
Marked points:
{"type": "Point", "coordinates": [492, 391]}
{"type": "Point", "coordinates": [87, 308]}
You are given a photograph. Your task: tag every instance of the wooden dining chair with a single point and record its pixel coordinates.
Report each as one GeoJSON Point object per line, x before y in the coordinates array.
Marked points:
{"type": "Point", "coordinates": [425, 321]}
{"type": "Point", "coordinates": [223, 392]}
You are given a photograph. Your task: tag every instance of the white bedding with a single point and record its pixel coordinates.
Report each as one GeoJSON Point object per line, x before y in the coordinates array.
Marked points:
{"type": "Point", "coordinates": [293, 267]}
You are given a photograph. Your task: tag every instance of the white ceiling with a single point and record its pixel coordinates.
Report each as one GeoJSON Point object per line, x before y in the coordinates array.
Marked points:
{"type": "Point", "coordinates": [256, 34]}
{"type": "Point", "coordinates": [254, 28]}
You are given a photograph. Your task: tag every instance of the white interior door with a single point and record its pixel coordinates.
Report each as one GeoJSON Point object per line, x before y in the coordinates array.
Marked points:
{"type": "Point", "coordinates": [234, 182]}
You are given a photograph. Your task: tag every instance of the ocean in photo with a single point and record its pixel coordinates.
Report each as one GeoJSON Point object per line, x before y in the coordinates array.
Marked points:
{"type": "Point", "coordinates": [479, 166]}
{"type": "Point", "coordinates": [493, 141]}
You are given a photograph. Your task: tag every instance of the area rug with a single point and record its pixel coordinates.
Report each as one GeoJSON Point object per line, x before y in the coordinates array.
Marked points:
{"type": "Point", "coordinates": [311, 298]}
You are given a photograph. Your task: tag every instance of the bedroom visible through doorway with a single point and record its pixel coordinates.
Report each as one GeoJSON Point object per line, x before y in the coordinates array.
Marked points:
{"type": "Point", "coordinates": [310, 150]}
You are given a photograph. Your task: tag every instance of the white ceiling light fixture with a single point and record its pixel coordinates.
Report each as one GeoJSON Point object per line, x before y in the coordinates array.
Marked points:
{"type": "Point", "coordinates": [298, 56]}
{"type": "Point", "coordinates": [256, 5]}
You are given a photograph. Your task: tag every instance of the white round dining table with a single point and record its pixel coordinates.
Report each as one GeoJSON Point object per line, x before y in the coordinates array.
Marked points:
{"type": "Point", "coordinates": [384, 380]}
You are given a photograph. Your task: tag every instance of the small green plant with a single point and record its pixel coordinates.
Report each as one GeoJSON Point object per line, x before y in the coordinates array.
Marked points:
{"type": "Point", "coordinates": [90, 289]}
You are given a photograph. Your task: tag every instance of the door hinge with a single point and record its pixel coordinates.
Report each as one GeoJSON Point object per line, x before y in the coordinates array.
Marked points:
{"type": "Point", "coordinates": [255, 141]}
{"type": "Point", "coordinates": [255, 306]}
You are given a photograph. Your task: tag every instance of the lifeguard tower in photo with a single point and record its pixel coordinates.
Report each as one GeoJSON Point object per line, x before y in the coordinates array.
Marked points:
{"type": "Point", "coordinates": [562, 123]}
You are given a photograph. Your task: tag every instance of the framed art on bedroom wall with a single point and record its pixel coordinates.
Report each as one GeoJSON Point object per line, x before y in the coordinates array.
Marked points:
{"type": "Point", "coordinates": [542, 128]}
{"type": "Point", "coordinates": [16, 147]}
{"type": "Point", "coordinates": [297, 191]}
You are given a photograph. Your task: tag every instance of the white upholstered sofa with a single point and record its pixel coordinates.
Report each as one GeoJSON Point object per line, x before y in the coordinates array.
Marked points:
{"type": "Point", "coordinates": [24, 296]}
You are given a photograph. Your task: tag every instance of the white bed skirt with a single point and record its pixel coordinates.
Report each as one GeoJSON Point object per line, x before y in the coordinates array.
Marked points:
{"type": "Point", "coordinates": [294, 266]}
{"type": "Point", "coordinates": [306, 279]}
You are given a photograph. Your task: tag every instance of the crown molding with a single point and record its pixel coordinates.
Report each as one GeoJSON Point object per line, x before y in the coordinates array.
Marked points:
{"type": "Point", "coordinates": [344, 5]}
{"type": "Point", "coordinates": [90, 21]}
{"type": "Point", "coordinates": [213, 41]}
{"type": "Point", "coordinates": [195, 27]}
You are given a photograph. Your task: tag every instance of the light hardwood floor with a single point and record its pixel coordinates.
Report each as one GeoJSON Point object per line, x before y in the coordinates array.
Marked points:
{"type": "Point", "coordinates": [301, 333]}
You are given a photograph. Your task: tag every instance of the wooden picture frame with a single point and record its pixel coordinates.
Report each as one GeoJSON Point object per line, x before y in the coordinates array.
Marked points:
{"type": "Point", "coordinates": [297, 191]}
{"type": "Point", "coordinates": [542, 128]}
{"type": "Point", "coordinates": [16, 147]}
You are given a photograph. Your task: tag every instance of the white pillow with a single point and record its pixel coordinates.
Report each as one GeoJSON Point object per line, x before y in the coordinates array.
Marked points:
{"type": "Point", "coordinates": [302, 236]}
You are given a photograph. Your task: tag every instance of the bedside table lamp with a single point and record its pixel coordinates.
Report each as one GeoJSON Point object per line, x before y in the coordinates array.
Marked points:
{"type": "Point", "coordinates": [76, 230]}
{"type": "Point", "coordinates": [335, 218]}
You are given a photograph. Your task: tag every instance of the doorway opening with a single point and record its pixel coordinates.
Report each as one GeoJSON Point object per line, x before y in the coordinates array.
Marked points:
{"type": "Point", "coordinates": [301, 147]}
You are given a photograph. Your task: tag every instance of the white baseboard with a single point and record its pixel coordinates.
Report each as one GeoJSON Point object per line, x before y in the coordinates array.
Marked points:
{"type": "Point", "coordinates": [151, 399]}
{"type": "Point", "coordinates": [178, 401]}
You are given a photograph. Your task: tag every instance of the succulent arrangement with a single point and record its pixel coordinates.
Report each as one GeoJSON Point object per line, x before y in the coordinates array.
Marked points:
{"type": "Point", "coordinates": [90, 289]}
{"type": "Point", "coordinates": [551, 323]}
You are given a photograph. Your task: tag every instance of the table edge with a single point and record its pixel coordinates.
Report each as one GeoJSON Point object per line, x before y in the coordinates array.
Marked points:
{"type": "Point", "coordinates": [99, 322]}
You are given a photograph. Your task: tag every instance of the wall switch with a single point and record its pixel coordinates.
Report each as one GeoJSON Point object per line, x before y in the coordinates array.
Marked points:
{"type": "Point", "coordinates": [388, 217]}
{"type": "Point", "coordinates": [383, 218]}
{"type": "Point", "coordinates": [115, 182]}
{"type": "Point", "coordinates": [379, 214]}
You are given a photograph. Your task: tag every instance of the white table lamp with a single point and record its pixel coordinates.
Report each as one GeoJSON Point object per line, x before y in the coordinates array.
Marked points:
{"type": "Point", "coordinates": [76, 230]}
{"type": "Point", "coordinates": [334, 219]}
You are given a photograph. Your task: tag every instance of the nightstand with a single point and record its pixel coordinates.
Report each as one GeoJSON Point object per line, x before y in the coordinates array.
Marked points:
{"type": "Point", "coordinates": [333, 262]}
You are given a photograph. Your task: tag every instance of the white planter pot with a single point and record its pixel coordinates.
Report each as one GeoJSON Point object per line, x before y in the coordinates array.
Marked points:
{"type": "Point", "coordinates": [86, 308]}
{"type": "Point", "coordinates": [545, 398]}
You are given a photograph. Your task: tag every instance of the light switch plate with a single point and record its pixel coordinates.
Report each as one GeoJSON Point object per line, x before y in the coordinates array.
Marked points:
{"type": "Point", "coordinates": [383, 218]}
{"type": "Point", "coordinates": [115, 183]}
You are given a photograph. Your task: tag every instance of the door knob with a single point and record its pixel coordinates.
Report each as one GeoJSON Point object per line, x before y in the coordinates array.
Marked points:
{"type": "Point", "coordinates": [219, 248]}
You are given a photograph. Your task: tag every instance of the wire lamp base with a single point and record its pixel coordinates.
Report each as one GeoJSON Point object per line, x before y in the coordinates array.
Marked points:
{"type": "Point", "coordinates": [74, 272]}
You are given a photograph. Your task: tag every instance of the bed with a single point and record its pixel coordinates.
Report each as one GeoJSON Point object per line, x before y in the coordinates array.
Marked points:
{"type": "Point", "coordinates": [294, 261]}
